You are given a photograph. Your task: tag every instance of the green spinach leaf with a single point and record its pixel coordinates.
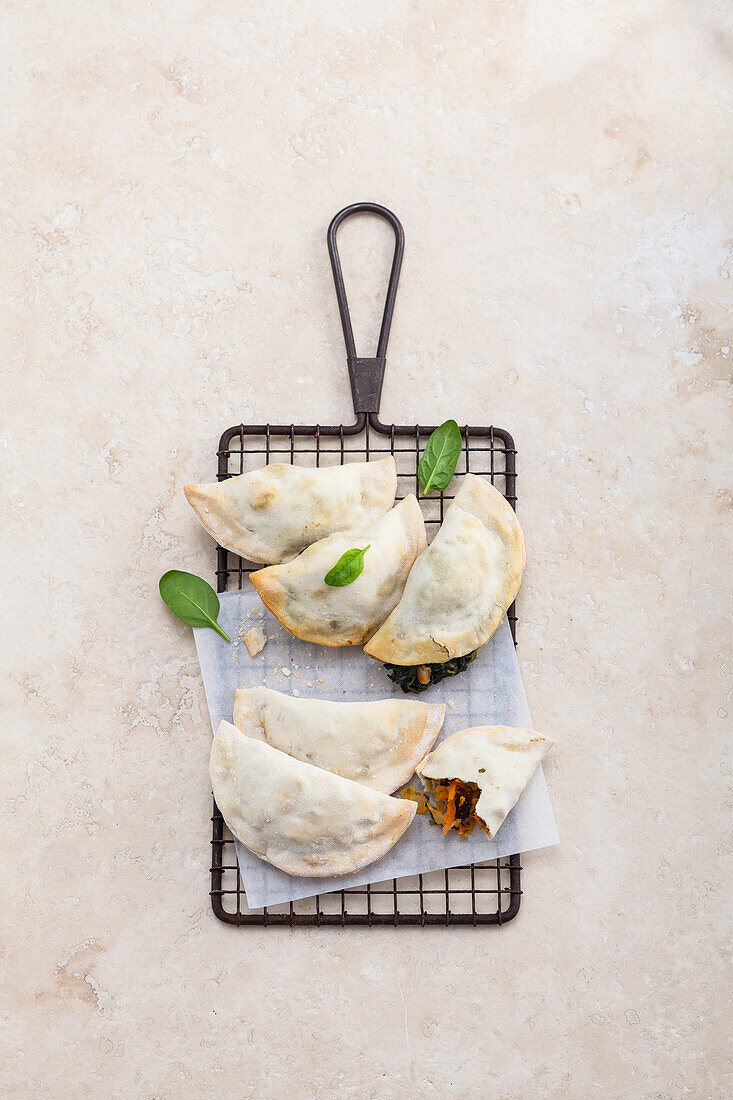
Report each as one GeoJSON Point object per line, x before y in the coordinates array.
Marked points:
{"type": "Point", "coordinates": [347, 568]}
{"type": "Point", "coordinates": [190, 598]}
{"type": "Point", "coordinates": [440, 457]}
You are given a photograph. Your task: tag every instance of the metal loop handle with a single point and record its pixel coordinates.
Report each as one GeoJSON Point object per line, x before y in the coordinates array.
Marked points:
{"type": "Point", "coordinates": [366, 373]}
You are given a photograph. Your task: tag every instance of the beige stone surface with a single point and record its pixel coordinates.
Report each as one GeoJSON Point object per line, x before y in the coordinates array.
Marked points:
{"type": "Point", "coordinates": [168, 174]}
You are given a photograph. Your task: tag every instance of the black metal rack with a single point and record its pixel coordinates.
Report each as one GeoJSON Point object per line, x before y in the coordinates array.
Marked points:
{"type": "Point", "coordinates": [475, 895]}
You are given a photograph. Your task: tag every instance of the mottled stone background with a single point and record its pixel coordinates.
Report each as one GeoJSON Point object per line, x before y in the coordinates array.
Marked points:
{"type": "Point", "coordinates": [168, 174]}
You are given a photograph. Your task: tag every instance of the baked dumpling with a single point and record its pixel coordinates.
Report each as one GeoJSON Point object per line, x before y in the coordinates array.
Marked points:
{"type": "Point", "coordinates": [300, 818]}
{"type": "Point", "coordinates": [460, 587]}
{"type": "Point", "coordinates": [297, 594]}
{"type": "Point", "coordinates": [476, 776]}
{"type": "Point", "coordinates": [377, 743]}
{"type": "Point", "coordinates": [270, 515]}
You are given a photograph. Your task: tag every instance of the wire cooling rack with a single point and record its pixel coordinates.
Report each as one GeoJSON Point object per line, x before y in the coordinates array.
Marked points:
{"type": "Point", "coordinates": [479, 894]}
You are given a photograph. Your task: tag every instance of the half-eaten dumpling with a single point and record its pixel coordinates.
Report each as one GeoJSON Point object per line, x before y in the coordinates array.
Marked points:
{"type": "Point", "coordinates": [476, 776]}
{"type": "Point", "coordinates": [297, 593]}
{"type": "Point", "coordinates": [300, 818]}
{"type": "Point", "coordinates": [376, 743]}
{"type": "Point", "coordinates": [457, 592]}
{"type": "Point", "coordinates": [270, 515]}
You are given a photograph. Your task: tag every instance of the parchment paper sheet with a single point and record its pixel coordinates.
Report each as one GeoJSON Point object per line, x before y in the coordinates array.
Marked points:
{"type": "Point", "coordinates": [490, 692]}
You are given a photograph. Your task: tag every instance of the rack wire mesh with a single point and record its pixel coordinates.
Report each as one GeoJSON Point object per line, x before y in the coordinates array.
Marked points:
{"type": "Point", "coordinates": [480, 894]}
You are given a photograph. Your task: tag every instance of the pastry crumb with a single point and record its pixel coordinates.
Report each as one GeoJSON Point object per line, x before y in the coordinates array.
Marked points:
{"type": "Point", "coordinates": [309, 684]}
{"type": "Point", "coordinates": [450, 702]}
{"type": "Point", "coordinates": [255, 640]}
{"type": "Point", "coordinates": [285, 671]}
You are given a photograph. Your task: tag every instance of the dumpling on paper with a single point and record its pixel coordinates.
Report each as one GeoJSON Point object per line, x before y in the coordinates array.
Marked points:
{"type": "Point", "coordinates": [476, 775]}
{"type": "Point", "coordinates": [300, 818]}
{"type": "Point", "coordinates": [377, 743]}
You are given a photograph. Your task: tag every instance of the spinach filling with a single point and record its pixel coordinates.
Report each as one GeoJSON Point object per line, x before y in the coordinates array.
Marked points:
{"type": "Point", "coordinates": [417, 678]}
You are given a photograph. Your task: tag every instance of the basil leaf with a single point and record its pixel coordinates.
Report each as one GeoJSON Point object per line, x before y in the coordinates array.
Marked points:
{"type": "Point", "coordinates": [440, 457]}
{"type": "Point", "coordinates": [347, 568]}
{"type": "Point", "coordinates": [191, 599]}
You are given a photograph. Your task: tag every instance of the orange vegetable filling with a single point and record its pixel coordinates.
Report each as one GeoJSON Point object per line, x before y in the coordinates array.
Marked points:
{"type": "Point", "coordinates": [454, 808]}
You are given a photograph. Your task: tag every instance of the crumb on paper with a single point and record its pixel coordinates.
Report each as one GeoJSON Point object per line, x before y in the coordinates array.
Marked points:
{"type": "Point", "coordinates": [295, 691]}
{"type": "Point", "coordinates": [255, 640]}
{"type": "Point", "coordinates": [285, 671]}
{"type": "Point", "coordinates": [450, 702]}
{"type": "Point", "coordinates": [309, 684]}
{"type": "Point", "coordinates": [321, 680]}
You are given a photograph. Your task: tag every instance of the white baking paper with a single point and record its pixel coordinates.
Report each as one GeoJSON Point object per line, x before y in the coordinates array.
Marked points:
{"type": "Point", "coordinates": [490, 692]}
